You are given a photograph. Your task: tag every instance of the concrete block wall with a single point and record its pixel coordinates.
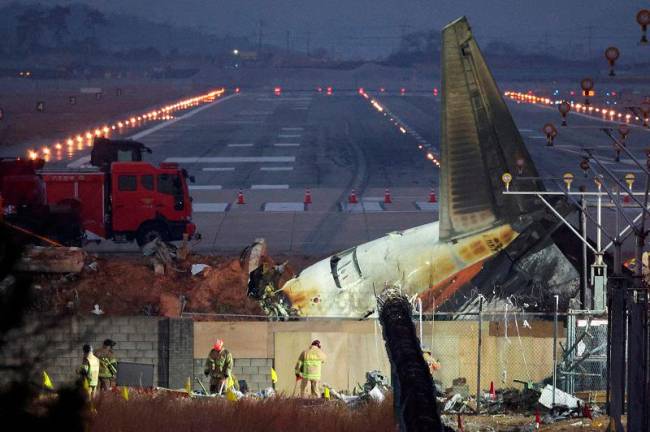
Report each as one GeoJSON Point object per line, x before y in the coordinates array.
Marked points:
{"type": "Point", "coordinates": [58, 349]}
{"type": "Point", "coordinates": [256, 372]}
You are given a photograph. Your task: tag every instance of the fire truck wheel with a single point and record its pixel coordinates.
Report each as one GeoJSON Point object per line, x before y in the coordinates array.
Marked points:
{"type": "Point", "coordinates": [149, 232]}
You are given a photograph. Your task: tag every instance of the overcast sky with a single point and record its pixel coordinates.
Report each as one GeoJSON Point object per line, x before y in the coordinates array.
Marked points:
{"type": "Point", "coordinates": [373, 26]}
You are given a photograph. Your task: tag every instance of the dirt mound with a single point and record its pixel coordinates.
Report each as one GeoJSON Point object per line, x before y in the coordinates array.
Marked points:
{"type": "Point", "coordinates": [128, 285]}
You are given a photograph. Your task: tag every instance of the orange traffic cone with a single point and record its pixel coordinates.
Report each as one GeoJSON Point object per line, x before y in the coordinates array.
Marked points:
{"type": "Point", "coordinates": [240, 198]}
{"type": "Point", "coordinates": [307, 199]}
{"type": "Point", "coordinates": [352, 199]}
{"type": "Point", "coordinates": [432, 197]}
{"type": "Point", "coordinates": [493, 394]}
{"type": "Point", "coordinates": [387, 198]}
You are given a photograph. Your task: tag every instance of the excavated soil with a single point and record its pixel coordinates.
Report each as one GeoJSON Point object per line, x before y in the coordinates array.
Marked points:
{"type": "Point", "coordinates": [128, 286]}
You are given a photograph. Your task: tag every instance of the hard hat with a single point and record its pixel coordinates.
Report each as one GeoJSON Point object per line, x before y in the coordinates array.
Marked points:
{"type": "Point", "coordinates": [109, 342]}
{"type": "Point", "coordinates": [218, 345]}
{"type": "Point", "coordinates": [316, 342]}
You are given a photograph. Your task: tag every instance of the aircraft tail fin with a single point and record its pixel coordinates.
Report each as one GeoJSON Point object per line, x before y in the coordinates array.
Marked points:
{"type": "Point", "coordinates": [479, 143]}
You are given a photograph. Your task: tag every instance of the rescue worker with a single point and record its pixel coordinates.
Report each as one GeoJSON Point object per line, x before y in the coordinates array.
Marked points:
{"type": "Point", "coordinates": [107, 365]}
{"type": "Point", "coordinates": [89, 371]}
{"type": "Point", "coordinates": [432, 363]}
{"type": "Point", "coordinates": [218, 366]}
{"type": "Point", "coordinates": [309, 367]}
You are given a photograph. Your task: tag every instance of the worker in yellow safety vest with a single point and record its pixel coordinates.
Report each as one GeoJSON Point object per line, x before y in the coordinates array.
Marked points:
{"type": "Point", "coordinates": [89, 371]}
{"type": "Point", "coordinates": [309, 367]}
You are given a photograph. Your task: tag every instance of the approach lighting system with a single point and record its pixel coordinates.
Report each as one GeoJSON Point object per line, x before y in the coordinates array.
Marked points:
{"type": "Point", "coordinates": [612, 54]}
{"type": "Point", "coordinates": [506, 178]}
{"type": "Point", "coordinates": [587, 85]}
{"type": "Point", "coordinates": [643, 18]}
{"type": "Point", "coordinates": [551, 132]}
{"type": "Point", "coordinates": [564, 107]}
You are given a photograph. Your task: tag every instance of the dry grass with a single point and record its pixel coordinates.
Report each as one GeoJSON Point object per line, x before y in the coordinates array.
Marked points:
{"type": "Point", "coordinates": [167, 413]}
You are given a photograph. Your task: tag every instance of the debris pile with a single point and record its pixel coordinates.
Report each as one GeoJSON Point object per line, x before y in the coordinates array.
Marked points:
{"type": "Point", "coordinates": [164, 280]}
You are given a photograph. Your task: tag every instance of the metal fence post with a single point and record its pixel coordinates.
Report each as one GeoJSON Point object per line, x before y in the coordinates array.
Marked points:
{"type": "Point", "coordinates": [555, 349]}
{"type": "Point", "coordinates": [480, 341]}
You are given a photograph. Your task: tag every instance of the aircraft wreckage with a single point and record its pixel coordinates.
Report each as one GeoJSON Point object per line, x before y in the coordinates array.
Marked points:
{"type": "Point", "coordinates": [485, 243]}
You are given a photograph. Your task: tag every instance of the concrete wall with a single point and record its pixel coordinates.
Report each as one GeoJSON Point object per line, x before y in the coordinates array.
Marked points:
{"type": "Point", "coordinates": [161, 342]}
{"type": "Point", "coordinates": [177, 348]}
{"type": "Point", "coordinates": [355, 347]}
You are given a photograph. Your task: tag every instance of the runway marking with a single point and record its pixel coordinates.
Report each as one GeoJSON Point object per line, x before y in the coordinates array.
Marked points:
{"type": "Point", "coordinates": [276, 169]}
{"type": "Point", "coordinates": [242, 159]}
{"type": "Point", "coordinates": [210, 207]}
{"type": "Point", "coordinates": [287, 144]}
{"type": "Point", "coordinates": [192, 113]}
{"type": "Point", "coordinates": [525, 130]}
{"type": "Point", "coordinates": [79, 162]}
{"type": "Point", "coordinates": [537, 137]}
{"type": "Point", "coordinates": [241, 145]}
{"type": "Point", "coordinates": [300, 109]}
{"type": "Point", "coordinates": [292, 128]}
{"type": "Point", "coordinates": [289, 136]}
{"type": "Point", "coordinates": [284, 207]}
{"type": "Point", "coordinates": [269, 186]}
{"type": "Point", "coordinates": [204, 187]}
{"type": "Point", "coordinates": [426, 206]}
{"type": "Point", "coordinates": [219, 169]}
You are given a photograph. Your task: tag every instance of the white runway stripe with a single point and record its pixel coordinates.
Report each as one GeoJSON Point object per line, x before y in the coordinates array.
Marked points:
{"type": "Point", "coordinates": [241, 145]}
{"type": "Point", "coordinates": [209, 207]}
{"type": "Point", "coordinates": [277, 186]}
{"type": "Point", "coordinates": [292, 128]}
{"type": "Point", "coordinates": [289, 136]}
{"type": "Point", "coordinates": [242, 159]}
{"type": "Point", "coordinates": [219, 169]}
{"type": "Point", "coordinates": [287, 144]}
{"type": "Point", "coordinates": [205, 187]}
{"type": "Point", "coordinates": [276, 169]}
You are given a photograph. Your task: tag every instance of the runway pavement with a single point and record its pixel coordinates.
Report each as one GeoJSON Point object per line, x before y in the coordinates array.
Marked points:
{"type": "Point", "coordinates": [273, 148]}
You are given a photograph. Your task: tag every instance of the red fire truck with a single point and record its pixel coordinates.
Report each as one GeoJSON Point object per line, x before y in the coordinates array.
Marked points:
{"type": "Point", "coordinates": [128, 201]}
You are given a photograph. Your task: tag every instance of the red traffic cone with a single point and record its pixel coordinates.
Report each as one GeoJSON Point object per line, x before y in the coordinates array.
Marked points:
{"type": "Point", "coordinates": [352, 199]}
{"type": "Point", "coordinates": [626, 199]}
{"type": "Point", "coordinates": [307, 199]}
{"type": "Point", "coordinates": [538, 420]}
{"type": "Point", "coordinates": [586, 412]}
{"type": "Point", "coordinates": [493, 394]}
{"type": "Point", "coordinates": [432, 197]}
{"type": "Point", "coordinates": [240, 198]}
{"type": "Point", "coordinates": [387, 198]}
{"type": "Point", "coordinates": [461, 427]}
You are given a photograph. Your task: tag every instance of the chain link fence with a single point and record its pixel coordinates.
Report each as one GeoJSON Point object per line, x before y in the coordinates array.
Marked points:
{"type": "Point", "coordinates": [508, 349]}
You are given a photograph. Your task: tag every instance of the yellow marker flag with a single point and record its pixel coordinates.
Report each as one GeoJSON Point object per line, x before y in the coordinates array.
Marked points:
{"type": "Point", "coordinates": [47, 382]}
{"type": "Point", "coordinates": [327, 393]}
{"type": "Point", "coordinates": [188, 385]}
{"type": "Point", "coordinates": [274, 376]}
{"type": "Point", "coordinates": [230, 395]}
{"type": "Point", "coordinates": [230, 383]}
{"type": "Point", "coordinates": [125, 393]}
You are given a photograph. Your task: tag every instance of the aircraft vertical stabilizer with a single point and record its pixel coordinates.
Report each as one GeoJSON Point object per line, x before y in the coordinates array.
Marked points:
{"type": "Point", "coordinates": [479, 143]}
